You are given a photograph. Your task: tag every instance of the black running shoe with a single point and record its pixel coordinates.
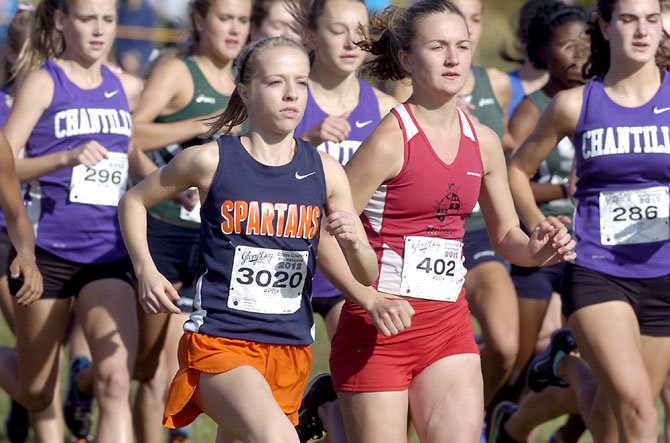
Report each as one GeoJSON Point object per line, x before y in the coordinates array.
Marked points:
{"type": "Point", "coordinates": [17, 423]}
{"type": "Point", "coordinates": [78, 405]}
{"type": "Point", "coordinates": [501, 413]}
{"type": "Point", "coordinates": [319, 391]}
{"type": "Point", "coordinates": [541, 371]}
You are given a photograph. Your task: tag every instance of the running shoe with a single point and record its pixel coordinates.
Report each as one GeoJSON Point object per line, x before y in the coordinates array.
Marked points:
{"type": "Point", "coordinates": [542, 369]}
{"type": "Point", "coordinates": [501, 414]}
{"type": "Point", "coordinates": [17, 423]}
{"type": "Point", "coordinates": [78, 405]}
{"type": "Point", "coordinates": [319, 391]}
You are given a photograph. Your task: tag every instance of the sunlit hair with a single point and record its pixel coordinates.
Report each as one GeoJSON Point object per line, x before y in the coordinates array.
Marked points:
{"type": "Point", "coordinates": [245, 68]}
{"type": "Point", "coordinates": [395, 29]}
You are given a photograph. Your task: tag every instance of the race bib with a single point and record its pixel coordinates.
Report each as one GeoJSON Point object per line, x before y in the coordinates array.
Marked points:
{"type": "Point", "coordinates": [193, 215]}
{"type": "Point", "coordinates": [432, 269]}
{"type": "Point", "coordinates": [635, 216]}
{"type": "Point", "coordinates": [104, 184]}
{"type": "Point", "coordinates": [267, 281]}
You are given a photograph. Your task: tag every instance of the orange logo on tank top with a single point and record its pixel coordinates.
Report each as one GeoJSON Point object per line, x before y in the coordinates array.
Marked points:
{"type": "Point", "coordinates": [270, 219]}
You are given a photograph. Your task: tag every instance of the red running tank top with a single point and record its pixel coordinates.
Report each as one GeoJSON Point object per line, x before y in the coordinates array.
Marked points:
{"type": "Point", "coordinates": [428, 198]}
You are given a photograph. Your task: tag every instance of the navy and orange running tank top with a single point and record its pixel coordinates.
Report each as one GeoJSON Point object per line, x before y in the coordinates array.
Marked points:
{"type": "Point", "coordinates": [258, 242]}
{"type": "Point", "coordinates": [428, 198]}
{"type": "Point", "coordinates": [622, 154]}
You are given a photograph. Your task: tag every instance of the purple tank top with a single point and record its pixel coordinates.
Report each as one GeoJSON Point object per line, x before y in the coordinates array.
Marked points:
{"type": "Point", "coordinates": [5, 99]}
{"type": "Point", "coordinates": [66, 225]}
{"type": "Point", "coordinates": [363, 119]}
{"type": "Point", "coordinates": [621, 221]}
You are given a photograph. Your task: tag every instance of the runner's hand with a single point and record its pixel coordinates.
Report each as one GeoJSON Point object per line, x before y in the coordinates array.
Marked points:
{"type": "Point", "coordinates": [551, 243]}
{"type": "Point", "coordinates": [24, 266]}
{"type": "Point", "coordinates": [89, 155]}
{"type": "Point", "coordinates": [342, 226]}
{"type": "Point", "coordinates": [333, 128]}
{"type": "Point", "coordinates": [464, 105]}
{"type": "Point", "coordinates": [390, 316]}
{"type": "Point", "coordinates": [156, 294]}
{"type": "Point", "coordinates": [188, 199]}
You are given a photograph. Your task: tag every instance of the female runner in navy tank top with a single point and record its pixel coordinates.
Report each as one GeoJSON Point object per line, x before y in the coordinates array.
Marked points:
{"type": "Point", "coordinates": [264, 195]}
{"type": "Point", "coordinates": [179, 96]}
{"type": "Point", "coordinates": [71, 113]}
{"type": "Point", "coordinates": [616, 295]}
{"type": "Point", "coordinates": [406, 345]}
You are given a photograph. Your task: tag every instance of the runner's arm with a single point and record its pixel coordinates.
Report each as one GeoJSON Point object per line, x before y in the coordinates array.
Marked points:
{"type": "Point", "coordinates": [559, 120]}
{"type": "Point", "coordinates": [165, 92]}
{"type": "Point", "coordinates": [344, 224]}
{"type": "Point", "coordinates": [549, 242]}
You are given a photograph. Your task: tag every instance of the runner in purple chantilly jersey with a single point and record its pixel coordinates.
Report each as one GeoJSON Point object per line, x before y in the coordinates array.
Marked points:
{"type": "Point", "coordinates": [617, 294]}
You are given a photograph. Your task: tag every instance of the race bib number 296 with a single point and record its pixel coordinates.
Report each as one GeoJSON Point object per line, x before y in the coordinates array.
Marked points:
{"type": "Point", "coordinates": [104, 184]}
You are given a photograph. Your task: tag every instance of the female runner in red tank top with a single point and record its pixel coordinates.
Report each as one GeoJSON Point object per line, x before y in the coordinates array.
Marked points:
{"type": "Point", "coordinates": [406, 345]}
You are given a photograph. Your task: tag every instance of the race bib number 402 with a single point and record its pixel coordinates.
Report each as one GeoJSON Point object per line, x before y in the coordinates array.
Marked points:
{"type": "Point", "coordinates": [432, 269]}
{"type": "Point", "coordinates": [267, 281]}
{"type": "Point", "coordinates": [634, 216]}
{"type": "Point", "coordinates": [104, 184]}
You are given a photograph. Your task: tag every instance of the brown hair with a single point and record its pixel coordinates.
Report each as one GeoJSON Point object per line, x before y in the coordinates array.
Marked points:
{"type": "Point", "coordinates": [45, 40]}
{"type": "Point", "coordinates": [198, 8]}
{"type": "Point", "coordinates": [261, 8]}
{"type": "Point", "coordinates": [599, 61]}
{"type": "Point", "coordinates": [245, 67]}
{"type": "Point", "coordinates": [396, 28]}
{"type": "Point", "coordinates": [17, 36]}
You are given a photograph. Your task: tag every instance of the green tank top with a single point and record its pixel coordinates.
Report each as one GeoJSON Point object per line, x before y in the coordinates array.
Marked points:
{"type": "Point", "coordinates": [487, 111]}
{"type": "Point", "coordinates": [205, 100]}
{"type": "Point", "coordinates": [557, 167]}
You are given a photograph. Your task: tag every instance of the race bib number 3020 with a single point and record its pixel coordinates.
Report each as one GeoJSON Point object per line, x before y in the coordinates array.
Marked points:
{"type": "Point", "coordinates": [634, 216]}
{"type": "Point", "coordinates": [267, 281]}
{"type": "Point", "coordinates": [104, 184]}
{"type": "Point", "coordinates": [432, 268]}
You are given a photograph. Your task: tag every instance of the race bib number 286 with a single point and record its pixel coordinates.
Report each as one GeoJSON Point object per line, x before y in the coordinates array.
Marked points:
{"type": "Point", "coordinates": [634, 216]}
